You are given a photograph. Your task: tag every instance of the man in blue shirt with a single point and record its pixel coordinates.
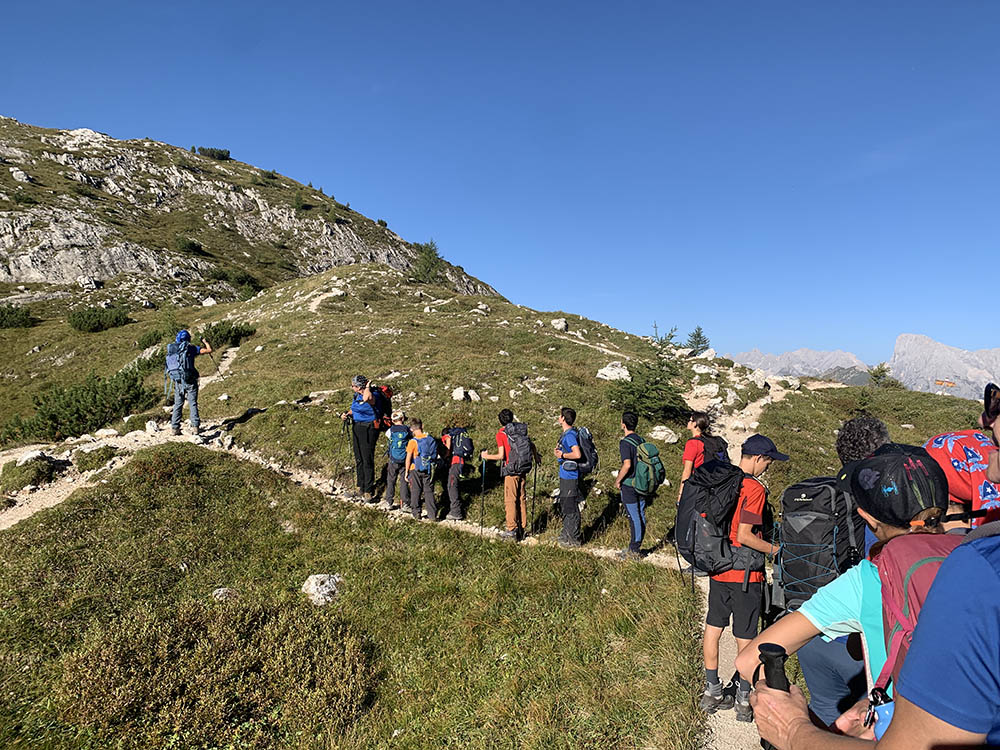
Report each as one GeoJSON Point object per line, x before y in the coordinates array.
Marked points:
{"type": "Point", "coordinates": [365, 410]}
{"type": "Point", "coordinates": [568, 452]}
{"type": "Point", "coordinates": [187, 386]}
{"type": "Point", "coordinates": [949, 688]}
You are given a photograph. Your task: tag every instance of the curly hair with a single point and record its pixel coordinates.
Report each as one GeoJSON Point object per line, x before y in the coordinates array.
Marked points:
{"type": "Point", "coordinates": [860, 437]}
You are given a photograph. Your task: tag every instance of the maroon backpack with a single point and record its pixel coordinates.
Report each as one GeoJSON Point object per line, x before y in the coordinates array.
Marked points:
{"type": "Point", "coordinates": [907, 566]}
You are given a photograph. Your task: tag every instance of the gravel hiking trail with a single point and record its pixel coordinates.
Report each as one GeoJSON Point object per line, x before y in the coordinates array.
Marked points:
{"type": "Point", "coordinates": [724, 732]}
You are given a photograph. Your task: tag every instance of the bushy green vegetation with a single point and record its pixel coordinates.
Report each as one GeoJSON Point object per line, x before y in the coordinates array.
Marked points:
{"type": "Point", "coordinates": [697, 341]}
{"type": "Point", "coordinates": [37, 472]}
{"type": "Point", "coordinates": [239, 673]}
{"type": "Point", "coordinates": [94, 459]}
{"type": "Point", "coordinates": [429, 263]}
{"type": "Point", "coordinates": [14, 316]}
{"type": "Point", "coordinates": [653, 392]}
{"type": "Point", "coordinates": [880, 376]}
{"type": "Point", "coordinates": [227, 333]}
{"type": "Point", "coordinates": [63, 412]}
{"type": "Point", "coordinates": [94, 319]}
{"type": "Point", "coordinates": [219, 154]}
{"type": "Point", "coordinates": [187, 245]}
{"type": "Point", "coordinates": [125, 570]}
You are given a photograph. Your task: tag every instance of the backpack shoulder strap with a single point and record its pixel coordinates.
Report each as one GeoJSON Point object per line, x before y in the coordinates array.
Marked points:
{"type": "Point", "coordinates": [637, 442]}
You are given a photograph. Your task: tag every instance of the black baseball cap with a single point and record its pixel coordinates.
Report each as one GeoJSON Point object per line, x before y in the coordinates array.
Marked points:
{"type": "Point", "coordinates": [896, 483]}
{"type": "Point", "coordinates": [758, 445]}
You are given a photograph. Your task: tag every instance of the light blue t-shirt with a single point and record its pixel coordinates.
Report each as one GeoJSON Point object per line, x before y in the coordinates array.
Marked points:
{"type": "Point", "coordinates": [567, 442]}
{"type": "Point", "coordinates": [952, 670]}
{"type": "Point", "coordinates": [852, 603]}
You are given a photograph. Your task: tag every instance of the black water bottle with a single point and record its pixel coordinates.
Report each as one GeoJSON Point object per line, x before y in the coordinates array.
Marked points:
{"type": "Point", "coordinates": [773, 658]}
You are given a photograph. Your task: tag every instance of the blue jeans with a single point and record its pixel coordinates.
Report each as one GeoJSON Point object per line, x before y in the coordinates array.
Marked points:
{"type": "Point", "coordinates": [835, 679]}
{"type": "Point", "coordinates": [635, 509]}
{"type": "Point", "coordinates": [184, 390]}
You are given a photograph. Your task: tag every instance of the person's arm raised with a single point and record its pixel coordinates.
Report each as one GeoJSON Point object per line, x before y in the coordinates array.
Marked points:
{"type": "Point", "coordinates": [792, 632]}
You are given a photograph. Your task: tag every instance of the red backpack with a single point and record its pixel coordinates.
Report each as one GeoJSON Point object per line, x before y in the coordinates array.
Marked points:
{"type": "Point", "coordinates": [383, 410]}
{"type": "Point", "coordinates": [907, 566]}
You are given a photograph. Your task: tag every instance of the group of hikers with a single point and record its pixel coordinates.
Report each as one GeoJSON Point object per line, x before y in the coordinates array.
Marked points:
{"type": "Point", "coordinates": [886, 578]}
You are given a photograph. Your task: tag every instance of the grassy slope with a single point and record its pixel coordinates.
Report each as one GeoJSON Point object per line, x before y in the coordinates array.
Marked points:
{"type": "Point", "coordinates": [478, 644]}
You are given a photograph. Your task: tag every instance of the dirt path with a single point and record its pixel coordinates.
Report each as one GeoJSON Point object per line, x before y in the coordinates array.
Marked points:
{"type": "Point", "coordinates": [724, 732]}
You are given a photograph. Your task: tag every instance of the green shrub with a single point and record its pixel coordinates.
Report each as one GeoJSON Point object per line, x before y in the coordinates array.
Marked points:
{"type": "Point", "coordinates": [428, 264]}
{"type": "Point", "coordinates": [219, 154]}
{"type": "Point", "coordinates": [149, 338]}
{"type": "Point", "coordinates": [63, 412]}
{"type": "Point", "coordinates": [94, 319]}
{"type": "Point", "coordinates": [245, 292]}
{"type": "Point", "coordinates": [383, 223]}
{"type": "Point", "coordinates": [218, 274]}
{"type": "Point", "coordinates": [651, 393]}
{"type": "Point", "coordinates": [228, 674]}
{"type": "Point", "coordinates": [187, 245]}
{"type": "Point", "coordinates": [37, 472]}
{"type": "Point", "coordinates": [227, 333]}
{"type": "Point", "coordinates": [881, 377]}
{"type": "Point", "coordinates": [95, 459]}
{"type": "Point", "coordinates": [24, 199]}
{"type": "Point", "coordinates": [271, 174]}
{"type": "Point", "coordinates": [13, 316]}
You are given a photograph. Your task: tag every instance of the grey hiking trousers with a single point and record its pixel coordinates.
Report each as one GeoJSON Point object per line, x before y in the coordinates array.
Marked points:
{"type": "Point", "coordinates": [422, 486]}
{"type": "Point", "coordinates": [189, 391]}
{"type": "Point", "coordinates": [393, 470]}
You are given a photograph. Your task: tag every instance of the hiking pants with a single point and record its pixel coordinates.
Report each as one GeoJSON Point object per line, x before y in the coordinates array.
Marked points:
{"type": "Point", "coordinates": [569, 504]}
{"type": "Point", "coordinates": [363, 439]}
{"type": "Point", "coordinates": [515, 498]}
{"type": "Point", "coordinates": [396, 469]}
{"type": "Point", "coordinates": [635, 509]}
{"type": "Point", "coordinates": [421, 487]}
{"type": "Point", "coordinates": [836, 680]}
{"type": "Point", "coordinates": [454, 504]}
{"type": "Point", "coordinates": [189, 391]}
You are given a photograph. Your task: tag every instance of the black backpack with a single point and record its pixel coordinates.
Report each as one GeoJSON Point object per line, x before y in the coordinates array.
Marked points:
{"type": "Point", "coordinates": [821, 536]}
{"type": "Point", "coordinates": [461, 443]}
{"type": "Point", "coordinates": [589, 459]}
{"type": "Point", "coordinates": [716, 448]}
{"type": "Point", "coordinates": [705, 519]}
{"type": "Point", "coordinates": [519, 462]}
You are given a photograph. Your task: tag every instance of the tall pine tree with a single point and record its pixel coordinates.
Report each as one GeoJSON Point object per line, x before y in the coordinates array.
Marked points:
{"type": "Point", "coordinates": [697, 341]}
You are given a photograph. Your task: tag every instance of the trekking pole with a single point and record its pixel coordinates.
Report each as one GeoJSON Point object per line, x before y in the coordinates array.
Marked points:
{"type": "Point", "coordinates": [534, 491]}
{"type": "Point", "coordinates": [482, 499]}
{"type": "Point", "coordinates": [218, 372]}
{"type": "Point", "coordinates": [772, 659]}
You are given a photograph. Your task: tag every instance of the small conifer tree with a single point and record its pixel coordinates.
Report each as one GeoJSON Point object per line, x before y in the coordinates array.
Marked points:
{"type": "Point", "coordinates": [697, 341]}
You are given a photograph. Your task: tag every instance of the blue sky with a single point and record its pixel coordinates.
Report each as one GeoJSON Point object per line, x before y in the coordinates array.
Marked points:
{"type": "Point", "coordinates": [784, 174]}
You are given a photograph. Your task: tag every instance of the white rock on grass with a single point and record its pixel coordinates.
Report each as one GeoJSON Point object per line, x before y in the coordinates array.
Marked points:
{"type": "Point", "coordinates": [259, 348]}
{"type": "Point", "coordinates": [701, 369]}
{"type": "Point", "coordinates": [707, 354]}
{"type": "Point", "coordinates": [684, 352]}
{"type": "Point", "coordinates": [107, 432]}
{"type": "Point", "coordinates": [614, 371]}
{"type": "Point", "coordinates": [759, 378]}
{"type": "Point", "coordinates": [793, 383]}
{"type": "Point", "coordinates": [208, 302]}
{"type": "Point", "coordinates": [224, 594]}
{"type": "Point", "coordinates": [560, 324]}
{"type": "Point", "coordinates": [907, 426]}
{"type": "Point", "coordinates": [337, 292]}
{"type": "Point", "coordinates": [664, 433]}
{"type": "Point", "coordinates": [19, 175]}
{"type": "Point", "coordinates": [322, 588]}
{"type": "Point", "coordinates": [473, 396]}
{"type": "Point", "coordinates": [709, 390]}
{"type": "Point", "coordinates": [458, 394]}
{"type": "Point", "coordinates": [31, 456]}
{"type": "Point", "coordinates": [494, 399]}
{"type": "Point", "coordinates": [504, 354]}
{"type": "Point", "coordinates": [224, 397]}
{"type": "Point", "coordinates": [152, 427]}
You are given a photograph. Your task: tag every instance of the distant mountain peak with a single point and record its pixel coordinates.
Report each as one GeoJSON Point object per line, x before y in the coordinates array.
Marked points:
{"type": "Point", "coordinates": [924, 364]}
{"type": "Point", "coordinates": [800, 362]}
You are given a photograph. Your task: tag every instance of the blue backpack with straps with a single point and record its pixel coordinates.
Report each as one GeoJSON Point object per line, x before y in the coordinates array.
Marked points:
{"type": "Point", "coordinates": [180, 362]}
{"type": "Point", "coordinates": [399, 436]}
{"type": "Point", "coordinates": [427, 454]}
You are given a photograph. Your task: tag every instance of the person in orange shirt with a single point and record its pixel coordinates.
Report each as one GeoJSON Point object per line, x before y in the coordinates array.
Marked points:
{"type": "Point", "coordinates": [421, 457]}
{"type": "Point", "coordinates": [737, 594]}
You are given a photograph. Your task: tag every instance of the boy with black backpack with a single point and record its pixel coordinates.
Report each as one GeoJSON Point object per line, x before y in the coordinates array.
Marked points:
{"type": "Point", "coordinates": [516, 455]}
{"type": "Point", "coordinates": [458, 445]}
{"type": "Point", "coordinates": [180, 369]}
{"type": "Point", "coordinates": [736, 591]}
{"type": "Point", "coordinates": [640, 474]}
{"type": "Point", "coordinates": [399, 437]}
{"type": "Point", "coordinates": [421, 458]}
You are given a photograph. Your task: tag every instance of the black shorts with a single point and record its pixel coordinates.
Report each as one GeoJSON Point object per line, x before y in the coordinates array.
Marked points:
{"type": "Point", "coordinates": [725, 599]}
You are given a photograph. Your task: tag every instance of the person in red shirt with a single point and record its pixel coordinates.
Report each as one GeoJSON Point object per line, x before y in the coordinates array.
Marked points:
{"type": "Point", "coordinates": [694, 449]}
{"type": "Point", "coordinates": [964, 456]}
{"type": "Point", "coordinates": [737, 594]}
{"type": "Point", "coordinates": [515, 486]}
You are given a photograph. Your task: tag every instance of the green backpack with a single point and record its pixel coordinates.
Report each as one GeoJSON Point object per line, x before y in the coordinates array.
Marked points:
{"type": "Point", "coordinates": [649, 472]}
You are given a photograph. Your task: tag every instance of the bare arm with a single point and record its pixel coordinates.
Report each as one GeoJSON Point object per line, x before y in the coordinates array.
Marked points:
{"type": "Point", "coordinates": [498, 456]}
{"type": "Point", "coordinates": [206, 349]}
{"type": "Point", "coordinates": [747, 538]}
{"type": "Point", "coordinates": [366, 394]}
{"type": "Point", "coordinates": [623, 472]}
{"type": "Point", "coordinates": [783, 719]}
{"type": "Point", "coordinates": [791, 632]}
{"type": "Point", "coordinates": [685, 475]}
{"type": "Point", "coordinates": [573, 455]}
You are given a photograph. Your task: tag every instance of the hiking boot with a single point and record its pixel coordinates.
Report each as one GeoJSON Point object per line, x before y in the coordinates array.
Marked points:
{"type": "Point", "coordinates": [176, 431]}
{"type": "Point", "coordinates": [386, 505]}
{"type": "Point", "coordinates": [744, 711]}
{"type": "Point", "coordinates": [453, 517]}
{"type": "Point", "coordinates": [510, 534]}
{"type": "Point", "coordinates": [570, 544]}
{"type": "Point", "coordinates": [629, 555]}
{"type": "Point", "coordinates": [712, 699]}
{"type": "Point", "coordinates": [367, 497]}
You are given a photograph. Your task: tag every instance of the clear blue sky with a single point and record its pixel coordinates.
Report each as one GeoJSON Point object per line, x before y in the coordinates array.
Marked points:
{"type": "Point", "coordinates": [786, 174]}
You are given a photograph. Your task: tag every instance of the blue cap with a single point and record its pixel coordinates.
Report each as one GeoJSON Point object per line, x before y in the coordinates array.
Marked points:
{"type": "Point", "coordinates": [758, 445]}
{"type": "Point", "coordinates": [182, 336]}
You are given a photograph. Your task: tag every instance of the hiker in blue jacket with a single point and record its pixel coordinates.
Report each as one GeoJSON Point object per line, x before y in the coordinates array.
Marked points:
{"type": "Point", "coordinates": [180, 368]}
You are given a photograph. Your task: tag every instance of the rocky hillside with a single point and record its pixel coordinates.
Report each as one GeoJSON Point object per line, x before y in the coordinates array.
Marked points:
{"type": "Point", "coordinates": [807, 362]}
{"type": "Point", "coordinates": [924, 364]}
{"type": "Point", "coordinates": [79, 209]}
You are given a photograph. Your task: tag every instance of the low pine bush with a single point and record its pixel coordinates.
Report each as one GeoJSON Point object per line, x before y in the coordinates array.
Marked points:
{"type": "Point", "coordinates": [227, 333]}
{"type": "Point", "coordinates": [652, 392]}
{"type": "Point", "coordinates": [228, 674]}
{"type": "Point", "coordinates": [95, 459]}
{"type": "Point", "coordinates": [219, 154]}
{"type": "Point", "coordinates": [71, 411]}
{"type": "Point", "coordinates": [13, 316]}
{"type": "Point", "coordinates": [94, 319]}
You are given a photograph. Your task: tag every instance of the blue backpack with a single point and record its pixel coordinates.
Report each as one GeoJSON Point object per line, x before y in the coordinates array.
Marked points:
{"type": "Point", "coordinates": [180, 363]}
{"type": "Point", "coordinates": [461, 443]}
{"type": "Point", "coordinates": [427, 454]}
{"type": "Point", "coordinates": [399, 436]}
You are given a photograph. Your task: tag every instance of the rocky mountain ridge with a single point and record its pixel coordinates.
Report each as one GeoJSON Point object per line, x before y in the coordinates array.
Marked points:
{"type": "Point", "coordinates": [78, 207]}
{"type": "Point", "coordinates": [799, 362]}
